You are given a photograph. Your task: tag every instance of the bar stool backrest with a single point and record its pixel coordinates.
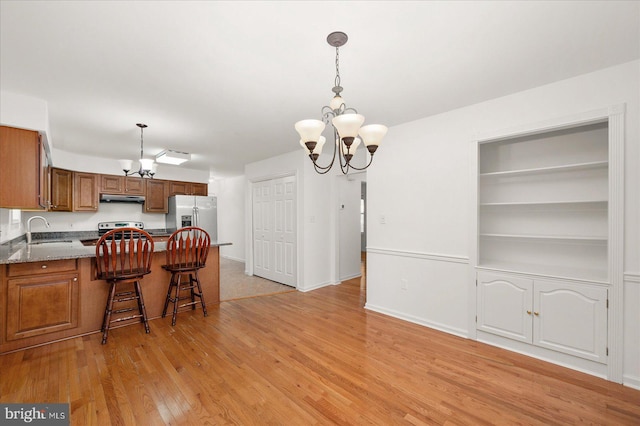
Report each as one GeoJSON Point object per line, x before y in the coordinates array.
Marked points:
{"type": "Point", "coordinates": [188, 248]}
{"type": "Point", "coordinates": [124, 253]}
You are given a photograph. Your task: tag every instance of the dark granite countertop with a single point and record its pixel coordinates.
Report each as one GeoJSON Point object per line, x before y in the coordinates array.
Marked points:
{"type": "Point", "coordinates": [62, 245]}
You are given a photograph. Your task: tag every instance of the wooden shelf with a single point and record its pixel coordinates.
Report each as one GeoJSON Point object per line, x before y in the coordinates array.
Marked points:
{"type": "Point", "coordinates": [552, 238]}
{"type": "Point", "coordinates": [547, 170]}
{"type": "Point", "coordinates": [594, 204]}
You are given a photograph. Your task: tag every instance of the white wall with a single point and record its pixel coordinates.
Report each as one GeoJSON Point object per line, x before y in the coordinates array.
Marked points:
{"type": "Point", "coordinates": [231, 211]}
{"type": "Point", "coordinates": [422, 171]}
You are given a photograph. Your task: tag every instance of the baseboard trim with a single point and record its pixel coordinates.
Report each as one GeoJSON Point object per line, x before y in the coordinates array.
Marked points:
{"type": "Point", "coordinates": [416, 320]}
{"type": "Point", "coordinates": [350, 277]}
{"type": "Point", "coordinates": [420, 255]}
{"type": "Point", "coordinates": [631, 381]}
{"type": "Point", "coordinates": [237, 259]}
{"type": "Point", "coordinates": [315, 287]}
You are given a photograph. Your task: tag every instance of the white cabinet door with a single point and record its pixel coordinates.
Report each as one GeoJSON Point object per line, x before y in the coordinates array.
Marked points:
{"type": "Point", "coordinates": [571, 318]}
{"type": "Point", "coordinates": [504, 306]}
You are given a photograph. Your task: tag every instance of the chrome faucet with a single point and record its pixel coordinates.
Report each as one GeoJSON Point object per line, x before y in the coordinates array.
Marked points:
{"type": "Point", "coordinates": [29, 226]}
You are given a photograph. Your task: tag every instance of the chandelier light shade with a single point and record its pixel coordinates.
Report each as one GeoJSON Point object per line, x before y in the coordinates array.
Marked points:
{"type": "Point", "coordinates": [346, 124]}
{"type": "Point", "coordinates": [147, 167]}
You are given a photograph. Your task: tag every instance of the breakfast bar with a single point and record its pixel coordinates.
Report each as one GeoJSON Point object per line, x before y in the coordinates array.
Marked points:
{"type": "Point", "coordinates": [49, 291]}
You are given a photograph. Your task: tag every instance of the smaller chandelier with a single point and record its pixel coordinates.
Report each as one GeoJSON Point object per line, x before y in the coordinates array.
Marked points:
{"type": "Point", "coordinates": [147, 166]}
{"type": "Point", "coordinates": [346, 123]}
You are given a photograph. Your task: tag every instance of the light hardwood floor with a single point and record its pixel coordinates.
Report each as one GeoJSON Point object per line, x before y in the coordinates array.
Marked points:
{"type": "Point", "coordinates": [304, 359]}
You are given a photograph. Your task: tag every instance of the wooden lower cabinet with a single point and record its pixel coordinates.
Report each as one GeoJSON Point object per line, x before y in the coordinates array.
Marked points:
{"type": "Point", "coordinates": [41, 298]}
{"type": "Point", "coordinates": [26, 296]}
{"type": "Point", "coordinates": [45, 302]}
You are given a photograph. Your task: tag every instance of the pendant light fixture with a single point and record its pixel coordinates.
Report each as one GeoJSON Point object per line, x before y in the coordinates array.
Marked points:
{"type": "Point", "coordinates": [346, 123]}
{"type": "Point", "coordinates": [147, 166]}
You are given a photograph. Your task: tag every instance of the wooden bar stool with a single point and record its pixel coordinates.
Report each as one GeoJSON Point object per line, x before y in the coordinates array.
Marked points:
{"type": "Point", "coordinates": [187, 251]}
{"type": "Point", "coordinates": [123, 258]}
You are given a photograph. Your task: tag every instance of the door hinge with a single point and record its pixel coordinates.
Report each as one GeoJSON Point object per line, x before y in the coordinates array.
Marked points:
{"type": "Point", "coordinates": [607, 303]}
{"type": "Point", "coordinates": [476, 319]}
{"type": "Point", "coordinates": [476, 283]}
{"type": "Point", "coordinates": [607, 351]}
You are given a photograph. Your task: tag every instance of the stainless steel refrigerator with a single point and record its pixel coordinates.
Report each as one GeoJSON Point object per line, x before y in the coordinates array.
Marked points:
{"type": "Point", "coordinates": [193, 210]}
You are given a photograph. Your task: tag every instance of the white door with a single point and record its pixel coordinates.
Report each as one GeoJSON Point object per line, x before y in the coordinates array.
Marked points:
{"type": "Point", "coordinates": [274, 230]}
{"type": "Point", "coordinates": [571, 319]}
{"type": "Point", "coordinates": [504, 306]}
{"type": "Point", "coordinates": [262, 230]}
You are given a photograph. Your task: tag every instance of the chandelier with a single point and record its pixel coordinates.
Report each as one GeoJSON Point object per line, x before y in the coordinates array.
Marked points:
{"type": "Point", "coordinates": [346, 123]}
{"type": "Point", "coordinates": [147, 166]}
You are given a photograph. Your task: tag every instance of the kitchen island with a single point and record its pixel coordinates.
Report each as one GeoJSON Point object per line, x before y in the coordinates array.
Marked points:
{"type": "Point", "coordinates": [49, 290]}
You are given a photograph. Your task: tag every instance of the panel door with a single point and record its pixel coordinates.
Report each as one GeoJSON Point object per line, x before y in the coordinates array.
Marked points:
{"type": "Point", "coordinates": [284, 235]}
{"type": "Point", "coordinates": [571, 318]}
{"type": "Point", "coordinates": [262, 230]}
{"type": "Point", "coordinates": [274, 230]}
{"type": "Point", "coordinates": [504, 306]}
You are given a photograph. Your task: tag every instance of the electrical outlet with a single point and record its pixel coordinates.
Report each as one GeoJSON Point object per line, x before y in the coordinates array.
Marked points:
{"type": "Point", "coordinates": [404, 284]}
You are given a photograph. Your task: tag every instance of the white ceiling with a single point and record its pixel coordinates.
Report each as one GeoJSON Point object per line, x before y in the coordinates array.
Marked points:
{"type": "Point", "coordinates": [226, 81]}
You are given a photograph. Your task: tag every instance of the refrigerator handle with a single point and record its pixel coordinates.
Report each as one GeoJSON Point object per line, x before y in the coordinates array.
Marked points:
{"type": "Point", "coordinates": [195, 216]}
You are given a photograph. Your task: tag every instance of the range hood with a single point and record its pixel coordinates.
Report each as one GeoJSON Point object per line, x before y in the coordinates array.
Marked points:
{"type": "Point", "coordinates": [112, 198]}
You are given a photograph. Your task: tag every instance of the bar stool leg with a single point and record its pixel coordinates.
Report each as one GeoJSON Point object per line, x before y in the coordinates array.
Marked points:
{"type": "Point", "coordinates": [192, 292]}
{"type": "Point", "coordinates": [141, 307]}
{"type": "Point", "coordinates": [107, 312]}
{"type": "Point", "coordinates": [172, 283]}
{"type": "Point", "coordinates": [176, 300]}
{"type": "Point", "coordinates": [204, 307]}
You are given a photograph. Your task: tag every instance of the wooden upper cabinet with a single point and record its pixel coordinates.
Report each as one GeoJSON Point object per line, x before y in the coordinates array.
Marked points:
{"type": "Point", "coordinates": [187, 188]}
{"type": "Point", "coordinates": [22, 165]}
{"type": "Point", "coordinates": [156, 199]}
{"type": "Point", "coordinates": [111, 184]}
{"type": "Point", "coordinates": [125, 185]}
{"type": "Point", "coordinates": [85, 192]}
{"type": "Point", "coordinates": [179, 188]}
{"type": "Point", "coordinates": [199, 189]}
{"type": "Point", "coordinates": [61, 190]}
{"type": "Point", "coordinates": [134, 186]}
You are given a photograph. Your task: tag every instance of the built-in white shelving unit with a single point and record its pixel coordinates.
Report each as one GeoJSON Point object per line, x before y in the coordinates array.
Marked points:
{"type": "Point", "coordinates": [547, 240]}
{"type": "Point", "coordinates": [543, 203]}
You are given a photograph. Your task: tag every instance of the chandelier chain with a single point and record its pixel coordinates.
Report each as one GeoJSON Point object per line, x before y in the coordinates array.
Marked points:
{"type": "Point", "coordinates": [141, 143]}
{"type": "Point", "coordinates": [337, 81]}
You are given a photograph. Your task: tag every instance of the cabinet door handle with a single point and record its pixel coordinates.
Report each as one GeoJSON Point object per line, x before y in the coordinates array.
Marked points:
{"type": "Point", "coordinates": [75, 279]}
{"type": "Point", "coordinates": [44, 266]}
{"type": "Point", "coordinates": [528, 312]}
{"type": "Point", "coordinates": [536, 313]}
